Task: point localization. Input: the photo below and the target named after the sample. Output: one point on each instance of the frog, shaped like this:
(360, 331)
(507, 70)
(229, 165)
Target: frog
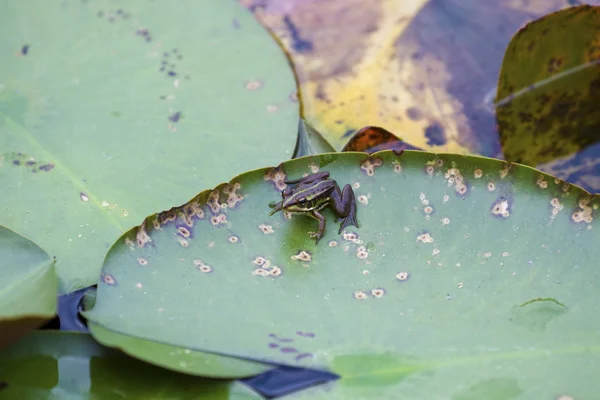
(312, 193)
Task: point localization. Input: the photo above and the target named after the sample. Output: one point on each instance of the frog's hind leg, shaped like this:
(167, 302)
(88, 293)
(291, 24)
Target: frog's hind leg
(343, 205)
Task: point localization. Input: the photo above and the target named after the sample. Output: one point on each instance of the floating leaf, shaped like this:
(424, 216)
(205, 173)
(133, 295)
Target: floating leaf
(111, 110)
(421, 68)
(549, 87)
(427, 288)
(63, 365)
(27, 286)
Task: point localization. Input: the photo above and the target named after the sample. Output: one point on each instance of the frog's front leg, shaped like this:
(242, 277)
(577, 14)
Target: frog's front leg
(343, 205)
(322, 222)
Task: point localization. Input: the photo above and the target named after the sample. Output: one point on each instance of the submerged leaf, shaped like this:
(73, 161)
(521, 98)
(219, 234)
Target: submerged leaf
(421, 299)
(424, 68)
(67, 365)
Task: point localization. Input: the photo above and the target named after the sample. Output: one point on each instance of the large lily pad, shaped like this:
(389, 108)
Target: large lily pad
(60, 365)
(27, 286)
(464, 270)
(549, 87)
(111, 110)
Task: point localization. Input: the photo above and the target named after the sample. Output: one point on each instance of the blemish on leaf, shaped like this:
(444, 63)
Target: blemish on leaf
(278, 177)
(266, 229)
(142, 236)
(108, 279)
(254, 84)
(213, 201)
(46, 167)
(183, 231)
(491, 186)
(425, 238)
(314, 168)
(360, 295)
(205, 269)
(478, 173)
(288, 350)
(445, 221)
(142, 261)
(402, 276)
(446, 198)
(429, 170)
(487, 254)
(271, 108)
(302, 256)
(397, 166)
(218, 219)
(460, 285)
(275, 271)
(303, 355)
(83, 197)
(370, 164)
(233, 239)
(543, 184)
(305, 334)
(504, 171)
(356, 185)
(428, 210)
(201, 266)
(259, 260)
(129, 243)
(167, 216)
(350, 236)
(378, 293)
(362, 252)
(435, 252)
(260, 272)
(501, 208)
(364, 200)
(333, 243)
(183, 242)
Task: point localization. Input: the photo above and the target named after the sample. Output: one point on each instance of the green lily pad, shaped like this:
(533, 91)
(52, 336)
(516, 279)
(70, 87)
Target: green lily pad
(69, 365)
(549, 87)
(27, 286)
(171, 357)
(111, 110)
(441, 289)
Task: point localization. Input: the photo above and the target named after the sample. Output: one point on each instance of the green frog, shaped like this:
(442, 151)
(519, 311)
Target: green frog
(311, 194)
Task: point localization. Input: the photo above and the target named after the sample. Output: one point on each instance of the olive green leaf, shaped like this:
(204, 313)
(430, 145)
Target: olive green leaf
(110, 110)
(27, 286)
(69, 365)
(438, 291)
(549, 87)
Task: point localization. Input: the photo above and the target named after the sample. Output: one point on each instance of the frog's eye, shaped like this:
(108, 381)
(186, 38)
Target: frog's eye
(302, 200)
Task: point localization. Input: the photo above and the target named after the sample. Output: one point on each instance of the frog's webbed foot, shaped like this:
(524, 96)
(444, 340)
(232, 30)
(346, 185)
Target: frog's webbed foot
(344, 207)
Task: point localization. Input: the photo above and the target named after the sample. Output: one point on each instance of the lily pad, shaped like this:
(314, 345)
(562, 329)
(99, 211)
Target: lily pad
(549, 88)
(171, 357)
(27, 286)
(62, 365)
(111, 110)
(432, 295)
